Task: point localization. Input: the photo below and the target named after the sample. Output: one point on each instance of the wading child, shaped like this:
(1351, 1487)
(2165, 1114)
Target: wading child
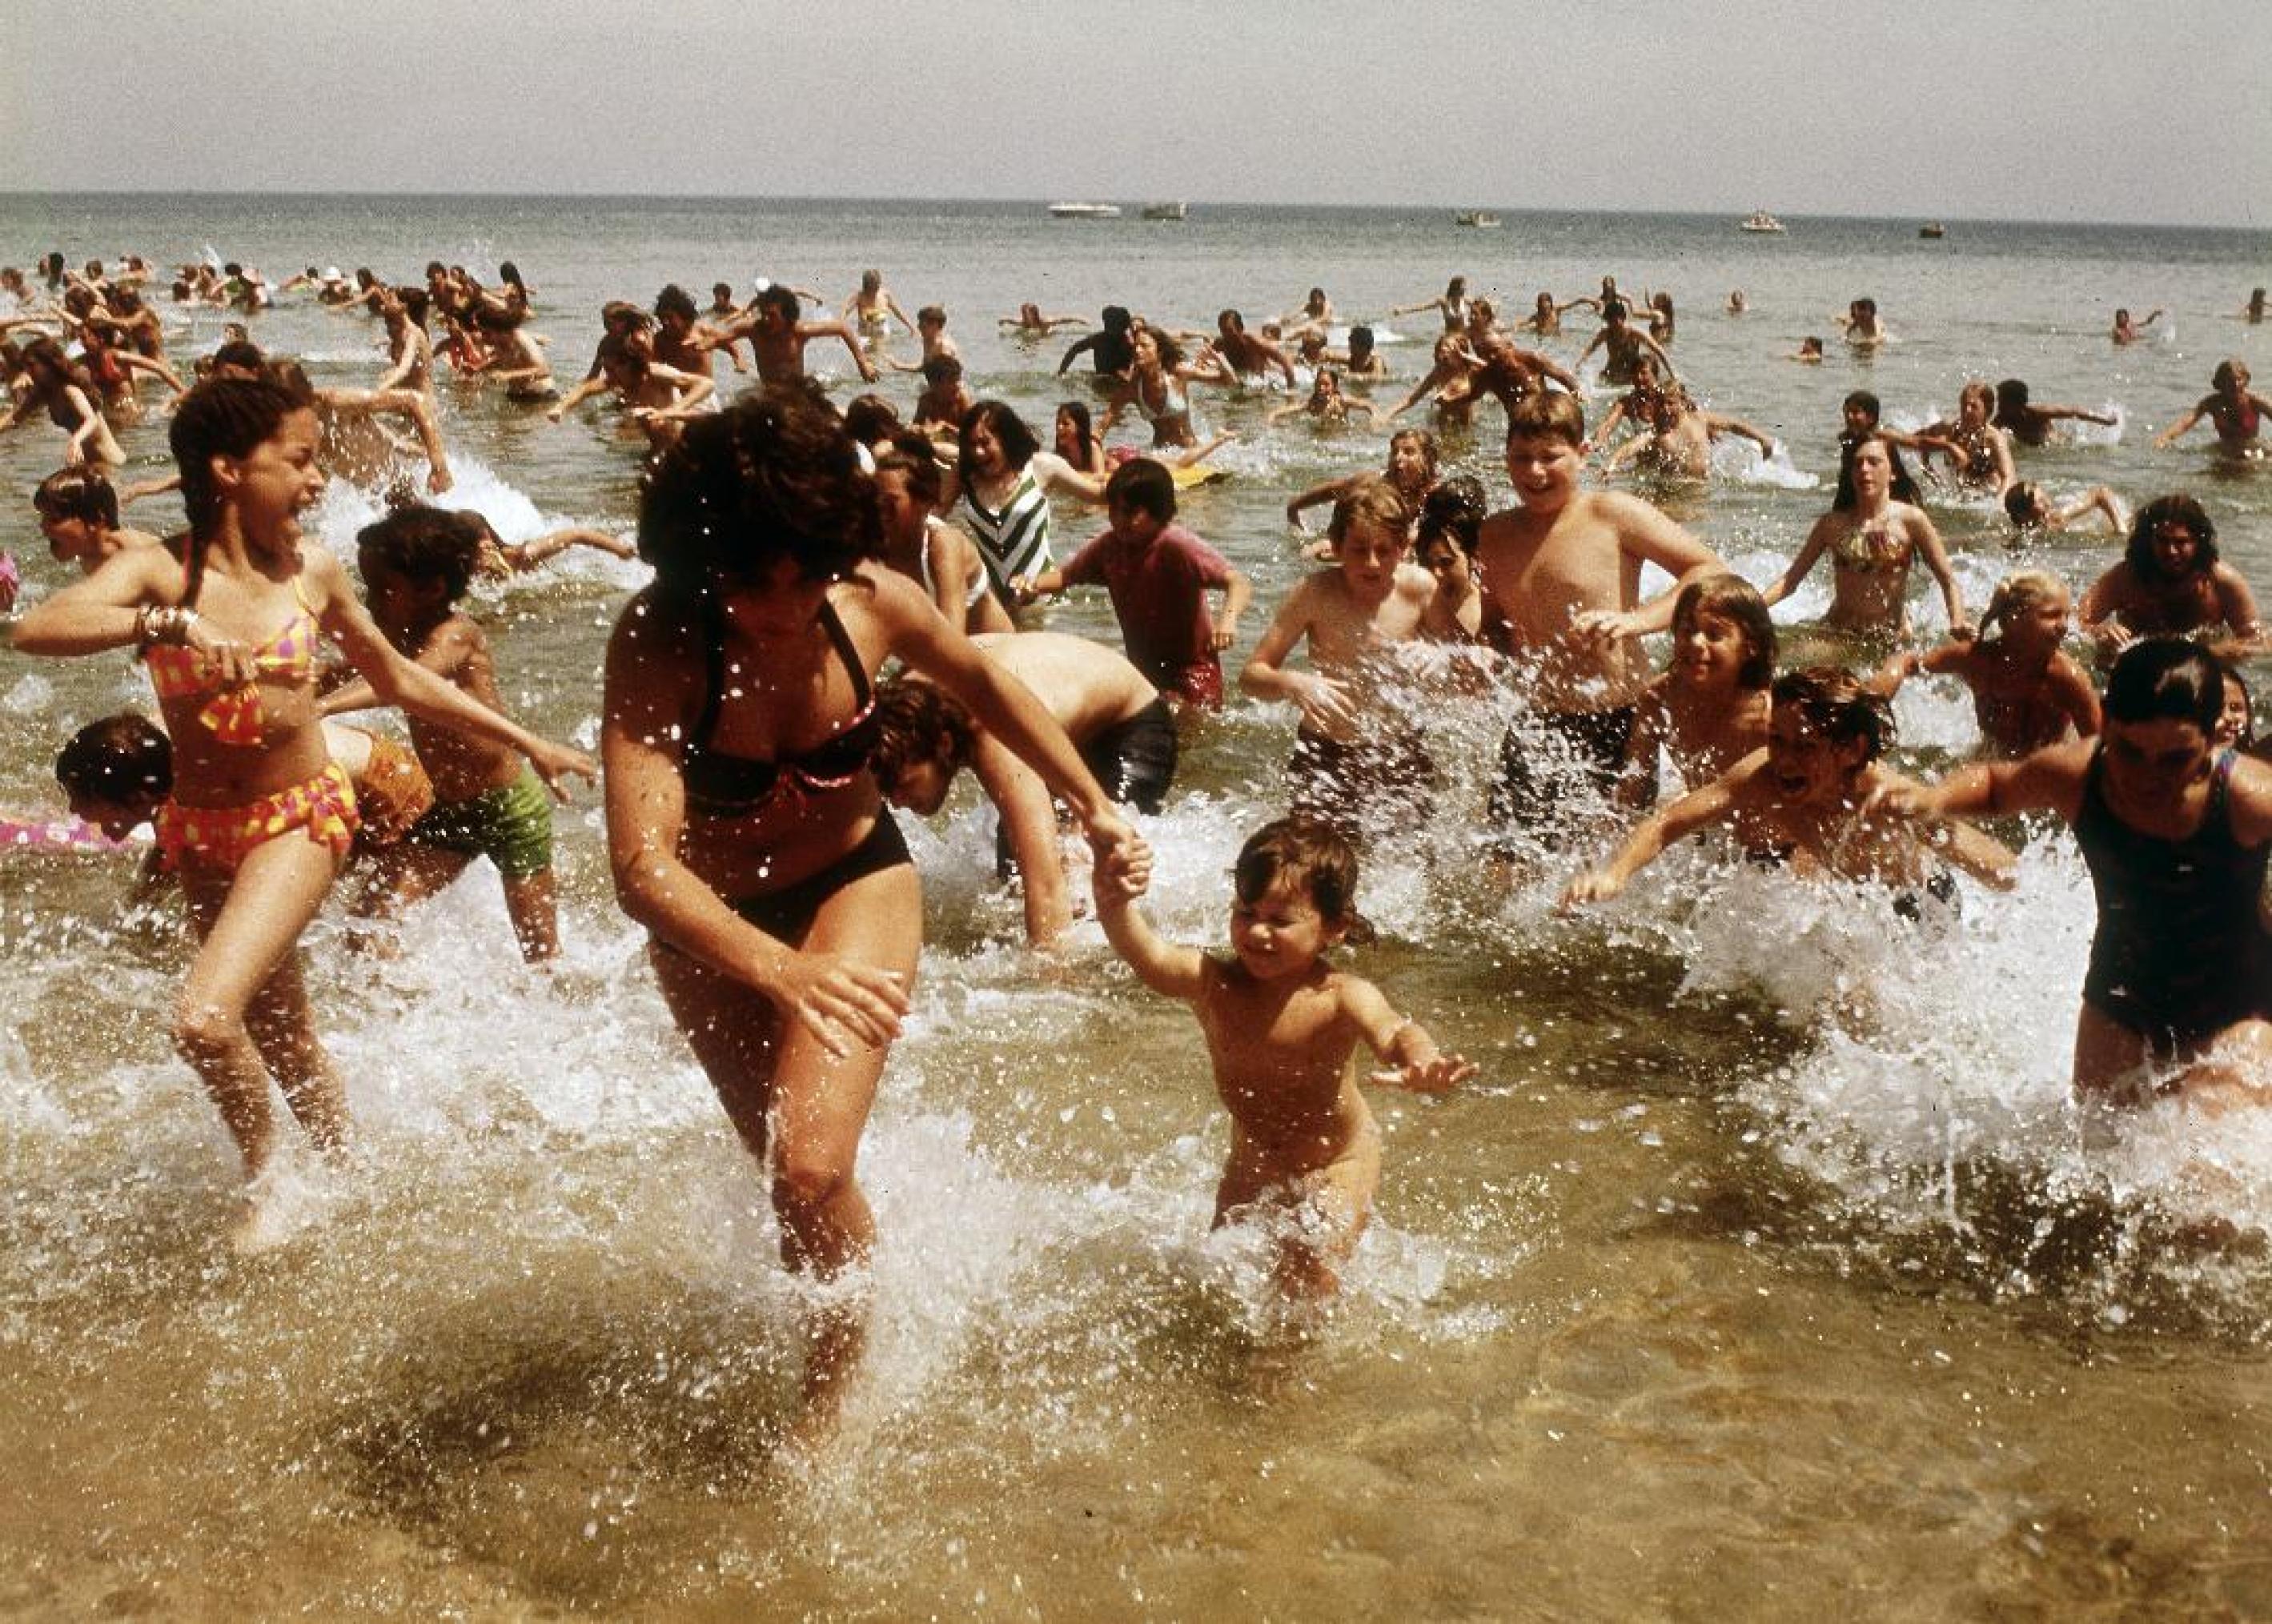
(1158, 573)
(417, 564)
(261, 817)
(1444, 542)
(1359, 749)
(2025, 692)
(2172, 583)
(118, 771)
(1709, 709)
(1281, 1026)
(1561, 577)
(1807, 802)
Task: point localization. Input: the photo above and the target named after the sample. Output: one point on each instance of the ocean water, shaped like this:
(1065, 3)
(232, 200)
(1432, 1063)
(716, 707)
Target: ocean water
(1763, 1270)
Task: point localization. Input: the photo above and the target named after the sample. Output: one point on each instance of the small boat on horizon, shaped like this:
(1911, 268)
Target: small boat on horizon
(1084, 211)
(1165, 210)
(1480, 220)
(1932, 228)
(1760, 220)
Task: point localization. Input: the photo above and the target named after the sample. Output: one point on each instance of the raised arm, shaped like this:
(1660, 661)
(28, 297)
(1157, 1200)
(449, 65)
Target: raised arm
(850, 340)
(1055, 476)
(2184, 424)
(1238, 592)
(1325, 702)
(525, 555)
(2051, 777)
(1818, 539)
(594, 385)
(1318, 495)
(1647, 536)
(1715, 423)
(2239, 604)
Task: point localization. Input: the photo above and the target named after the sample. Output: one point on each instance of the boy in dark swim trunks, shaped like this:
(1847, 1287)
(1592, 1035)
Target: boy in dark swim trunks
(1115, 719)
(417, 564)
(1561, 577)
(1360, 756)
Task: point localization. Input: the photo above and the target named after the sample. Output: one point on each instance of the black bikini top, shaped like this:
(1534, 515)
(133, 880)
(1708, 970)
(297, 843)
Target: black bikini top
(738, 787)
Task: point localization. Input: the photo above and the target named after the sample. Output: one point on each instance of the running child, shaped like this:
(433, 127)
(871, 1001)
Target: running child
(2236, 412)
(1359, 748)
(1282, 1026)
(1561, 578)
(2025, 692)
(1809, 802)
(1709, 709)
(2172, 583)
(261, 817)
(417, 564)
(2030, 508)
(118, 771)
(1158, 573)
(1444, 544)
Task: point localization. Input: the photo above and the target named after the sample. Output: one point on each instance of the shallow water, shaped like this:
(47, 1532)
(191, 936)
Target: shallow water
(1762, 1271)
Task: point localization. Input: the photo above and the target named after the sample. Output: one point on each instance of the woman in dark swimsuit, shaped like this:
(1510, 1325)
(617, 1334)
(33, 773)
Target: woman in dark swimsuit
(746, 829)
(2176, 833)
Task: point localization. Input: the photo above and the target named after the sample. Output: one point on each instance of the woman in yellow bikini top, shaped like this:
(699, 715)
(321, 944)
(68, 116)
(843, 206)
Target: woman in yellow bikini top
(234, 714)
(252, 766)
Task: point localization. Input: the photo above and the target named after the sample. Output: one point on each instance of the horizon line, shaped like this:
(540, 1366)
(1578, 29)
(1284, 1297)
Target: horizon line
(17, 194)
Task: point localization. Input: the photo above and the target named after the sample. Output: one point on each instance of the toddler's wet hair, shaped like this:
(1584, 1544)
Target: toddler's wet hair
(1309, 854)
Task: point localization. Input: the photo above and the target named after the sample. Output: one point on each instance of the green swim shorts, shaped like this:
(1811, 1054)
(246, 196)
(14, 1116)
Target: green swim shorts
(511, 827)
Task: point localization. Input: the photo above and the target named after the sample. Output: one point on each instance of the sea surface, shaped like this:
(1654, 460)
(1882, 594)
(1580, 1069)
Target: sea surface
(1763, 1272)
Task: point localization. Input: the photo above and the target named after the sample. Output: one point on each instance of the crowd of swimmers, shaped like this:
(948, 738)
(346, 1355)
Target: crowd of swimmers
(819, 644)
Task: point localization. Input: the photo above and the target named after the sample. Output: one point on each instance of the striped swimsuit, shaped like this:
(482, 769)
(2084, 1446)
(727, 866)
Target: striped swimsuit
(1014, 539)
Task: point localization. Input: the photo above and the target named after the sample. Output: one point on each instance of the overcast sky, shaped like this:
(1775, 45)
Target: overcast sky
(2097, 109)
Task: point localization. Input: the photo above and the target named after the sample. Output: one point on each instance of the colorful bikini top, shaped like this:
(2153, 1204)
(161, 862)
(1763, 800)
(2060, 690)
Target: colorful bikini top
(738, 787)
(235, 715)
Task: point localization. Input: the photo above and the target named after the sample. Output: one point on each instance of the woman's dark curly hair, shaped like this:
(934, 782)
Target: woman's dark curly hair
(772, 477)
(2177, 509)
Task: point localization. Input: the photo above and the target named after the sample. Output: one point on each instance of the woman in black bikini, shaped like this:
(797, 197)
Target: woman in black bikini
(746, 829)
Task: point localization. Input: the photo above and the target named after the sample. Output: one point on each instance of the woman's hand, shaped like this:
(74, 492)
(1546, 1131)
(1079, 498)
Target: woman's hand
(1122, 854)
(231, 662)
(847, 1006)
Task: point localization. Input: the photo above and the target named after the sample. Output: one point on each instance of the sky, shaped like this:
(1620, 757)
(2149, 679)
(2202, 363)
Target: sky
(2111, 110)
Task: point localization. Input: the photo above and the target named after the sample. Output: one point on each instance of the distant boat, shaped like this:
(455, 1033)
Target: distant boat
(1165, 210)
(1086, 211)
(1482, 219)
(1760, 220)
(1932, 228)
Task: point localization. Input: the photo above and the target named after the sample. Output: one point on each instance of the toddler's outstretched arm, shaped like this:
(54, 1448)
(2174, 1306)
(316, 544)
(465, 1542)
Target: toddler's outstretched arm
(1413, 1060)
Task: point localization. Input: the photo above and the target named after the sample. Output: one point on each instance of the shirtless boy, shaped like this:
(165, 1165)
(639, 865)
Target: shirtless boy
(1561, 578)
